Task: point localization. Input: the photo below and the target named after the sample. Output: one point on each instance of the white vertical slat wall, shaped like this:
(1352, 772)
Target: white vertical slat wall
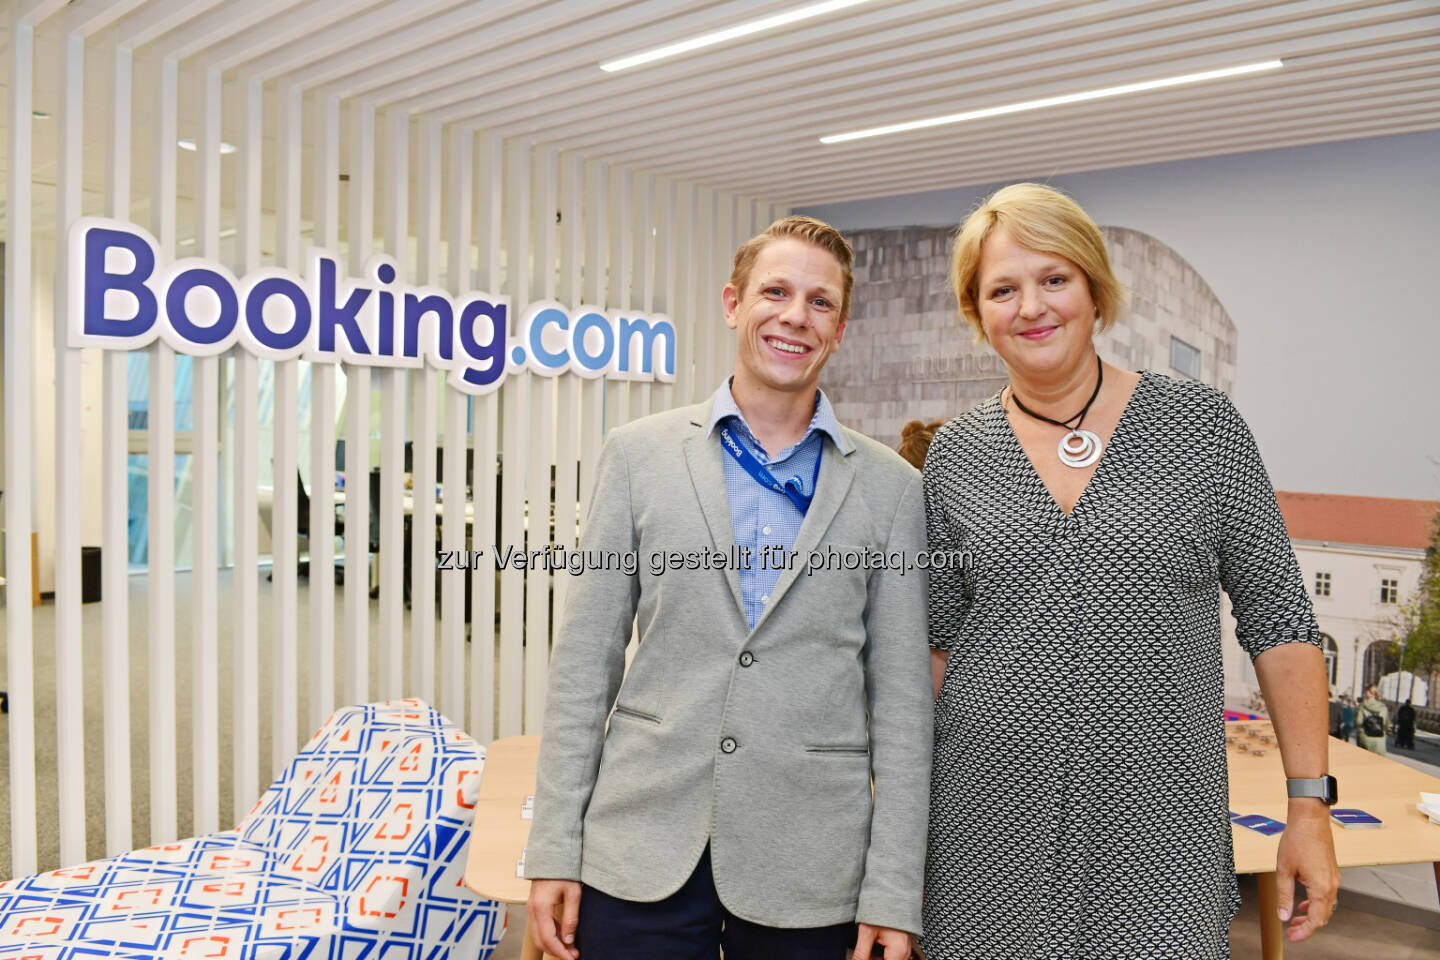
(245, 658)
(285, 502)
(359, 234)
(160, 492)
(425, 385)
(19, 383)
(453, 204)
(69, 693)
(452, 632)
(514, 450)
(205, 491)
(485, 438)
(115, 547)
(393, 388)
(325, 233)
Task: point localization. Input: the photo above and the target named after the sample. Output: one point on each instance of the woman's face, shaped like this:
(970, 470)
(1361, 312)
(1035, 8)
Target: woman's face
(1035, 307)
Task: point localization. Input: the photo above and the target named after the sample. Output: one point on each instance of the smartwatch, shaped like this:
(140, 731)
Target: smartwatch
(1321, 788)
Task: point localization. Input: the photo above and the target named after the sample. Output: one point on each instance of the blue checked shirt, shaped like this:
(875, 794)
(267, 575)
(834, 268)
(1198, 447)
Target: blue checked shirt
(761, 517)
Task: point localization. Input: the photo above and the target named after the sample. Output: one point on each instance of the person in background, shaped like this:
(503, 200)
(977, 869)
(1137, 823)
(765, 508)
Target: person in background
(1347, 718)
(1099, 511)
(1336, 709)
(1373, 722)
(1405, 726)
(915, 439)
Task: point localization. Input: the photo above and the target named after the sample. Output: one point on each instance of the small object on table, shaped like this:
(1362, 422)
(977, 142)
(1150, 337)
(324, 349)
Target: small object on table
(1258, 823)
(1352, 819)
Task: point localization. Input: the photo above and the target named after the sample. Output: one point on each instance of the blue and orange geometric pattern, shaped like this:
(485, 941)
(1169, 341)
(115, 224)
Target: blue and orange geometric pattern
(356, 852)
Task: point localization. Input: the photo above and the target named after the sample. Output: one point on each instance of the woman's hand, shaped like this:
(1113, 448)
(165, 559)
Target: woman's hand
(1307, 854)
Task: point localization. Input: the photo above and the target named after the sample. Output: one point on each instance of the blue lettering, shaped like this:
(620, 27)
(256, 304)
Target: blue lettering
(648, 333)
(415, 310)
(124, 293)
(593, 362)
(175, 310)
(99, 281)
(544, 318)
(333, 315)
(255, 313)
(490, 356)
(387, 323)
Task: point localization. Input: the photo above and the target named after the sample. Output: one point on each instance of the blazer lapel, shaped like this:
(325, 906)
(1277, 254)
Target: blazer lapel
(707, 474)
(836, 472)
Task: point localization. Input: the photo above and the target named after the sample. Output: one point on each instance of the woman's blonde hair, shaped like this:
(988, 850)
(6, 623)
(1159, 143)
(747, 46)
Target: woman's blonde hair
(1041, 218)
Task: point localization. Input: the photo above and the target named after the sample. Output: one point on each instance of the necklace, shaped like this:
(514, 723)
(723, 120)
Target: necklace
(1078, 448)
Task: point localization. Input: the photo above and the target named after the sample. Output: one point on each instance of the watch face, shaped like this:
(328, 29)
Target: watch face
(1332, 791)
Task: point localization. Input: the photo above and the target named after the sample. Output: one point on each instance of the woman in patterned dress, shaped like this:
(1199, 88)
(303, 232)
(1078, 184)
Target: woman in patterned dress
(1079, 795)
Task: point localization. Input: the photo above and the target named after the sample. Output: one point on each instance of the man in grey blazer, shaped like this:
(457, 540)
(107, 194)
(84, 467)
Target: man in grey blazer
(781, 668)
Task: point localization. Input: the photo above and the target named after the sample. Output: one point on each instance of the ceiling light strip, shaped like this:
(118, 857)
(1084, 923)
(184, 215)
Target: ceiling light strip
(1053, 101)
(730, 33)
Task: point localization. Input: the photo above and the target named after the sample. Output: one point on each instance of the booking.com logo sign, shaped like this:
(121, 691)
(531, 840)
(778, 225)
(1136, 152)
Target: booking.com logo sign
(125, 296)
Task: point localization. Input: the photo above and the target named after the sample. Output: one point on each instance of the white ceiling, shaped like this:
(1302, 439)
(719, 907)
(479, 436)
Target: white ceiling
(747, 115)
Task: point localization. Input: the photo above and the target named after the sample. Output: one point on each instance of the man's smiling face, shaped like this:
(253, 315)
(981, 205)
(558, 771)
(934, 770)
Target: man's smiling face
(788, 321)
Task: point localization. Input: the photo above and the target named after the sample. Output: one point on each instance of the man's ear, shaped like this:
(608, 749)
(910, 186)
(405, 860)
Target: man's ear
(840, 332)
(730, 299)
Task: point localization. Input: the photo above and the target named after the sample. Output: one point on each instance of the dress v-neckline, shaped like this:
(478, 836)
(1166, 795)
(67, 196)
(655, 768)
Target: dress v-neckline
(1106, 455)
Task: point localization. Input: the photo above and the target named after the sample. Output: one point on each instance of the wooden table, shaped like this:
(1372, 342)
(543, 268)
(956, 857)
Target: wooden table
(497, 841)
(1377, 785)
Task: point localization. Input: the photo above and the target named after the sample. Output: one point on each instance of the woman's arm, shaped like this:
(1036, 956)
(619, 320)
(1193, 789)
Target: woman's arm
(938, 659)
(1292, 678)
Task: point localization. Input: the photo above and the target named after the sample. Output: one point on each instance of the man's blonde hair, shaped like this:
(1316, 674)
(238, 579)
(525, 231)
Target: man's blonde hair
(1041, 218)
(815, 232)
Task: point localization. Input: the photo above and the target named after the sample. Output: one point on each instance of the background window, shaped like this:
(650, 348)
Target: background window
(1184, 358)
(1389, 590)
(1332, 656)
(1322, 584)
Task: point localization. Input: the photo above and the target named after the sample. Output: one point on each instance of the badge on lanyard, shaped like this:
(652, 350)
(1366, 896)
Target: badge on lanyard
(761, 474)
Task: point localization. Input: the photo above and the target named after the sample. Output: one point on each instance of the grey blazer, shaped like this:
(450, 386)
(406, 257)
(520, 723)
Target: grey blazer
(761, 743)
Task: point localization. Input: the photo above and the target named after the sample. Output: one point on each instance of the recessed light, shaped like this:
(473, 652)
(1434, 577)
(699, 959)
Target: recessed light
(1053, 101)
(730, 33)
(188, 143)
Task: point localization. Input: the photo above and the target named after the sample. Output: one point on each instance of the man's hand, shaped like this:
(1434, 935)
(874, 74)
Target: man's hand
(895, 942)
(1307, 854)
(547, 897)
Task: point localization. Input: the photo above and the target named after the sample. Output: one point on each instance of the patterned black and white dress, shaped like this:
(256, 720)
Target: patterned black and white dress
(1078, 796)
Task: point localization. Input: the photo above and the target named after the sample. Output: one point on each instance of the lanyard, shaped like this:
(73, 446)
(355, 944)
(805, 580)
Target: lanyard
(764, 477)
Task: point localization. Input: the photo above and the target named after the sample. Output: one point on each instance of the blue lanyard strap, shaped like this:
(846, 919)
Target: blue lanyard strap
(762, 475)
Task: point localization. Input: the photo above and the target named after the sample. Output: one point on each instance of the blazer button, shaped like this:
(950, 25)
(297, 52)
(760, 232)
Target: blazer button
(728, 745)
(747, 658)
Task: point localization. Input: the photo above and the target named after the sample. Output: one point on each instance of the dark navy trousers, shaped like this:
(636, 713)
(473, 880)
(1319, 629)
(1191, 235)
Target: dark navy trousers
(692, 924)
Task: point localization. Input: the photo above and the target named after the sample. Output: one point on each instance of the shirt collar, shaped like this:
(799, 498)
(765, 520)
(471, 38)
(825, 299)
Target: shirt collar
(723, 406)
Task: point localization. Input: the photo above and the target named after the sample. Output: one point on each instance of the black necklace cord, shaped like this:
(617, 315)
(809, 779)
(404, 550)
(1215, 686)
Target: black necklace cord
(1079, 417)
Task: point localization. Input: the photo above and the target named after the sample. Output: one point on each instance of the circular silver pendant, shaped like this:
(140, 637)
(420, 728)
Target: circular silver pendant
(1080, 448)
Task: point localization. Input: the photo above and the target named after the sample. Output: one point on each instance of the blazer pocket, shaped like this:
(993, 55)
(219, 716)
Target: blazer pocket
(839, 749)
(631, 712)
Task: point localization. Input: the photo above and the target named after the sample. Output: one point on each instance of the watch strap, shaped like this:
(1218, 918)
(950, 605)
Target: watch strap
(1320, 788)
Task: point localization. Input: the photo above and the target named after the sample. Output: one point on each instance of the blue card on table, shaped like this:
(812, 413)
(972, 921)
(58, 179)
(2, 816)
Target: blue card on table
(1356, 819)
(1254, 821)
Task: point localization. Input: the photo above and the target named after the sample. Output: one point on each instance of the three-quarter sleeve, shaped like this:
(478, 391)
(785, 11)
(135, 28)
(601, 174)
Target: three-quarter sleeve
(949, 593)
(1258, 568)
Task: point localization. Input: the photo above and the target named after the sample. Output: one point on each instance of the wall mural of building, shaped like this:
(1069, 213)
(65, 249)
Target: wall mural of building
(905, 355)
